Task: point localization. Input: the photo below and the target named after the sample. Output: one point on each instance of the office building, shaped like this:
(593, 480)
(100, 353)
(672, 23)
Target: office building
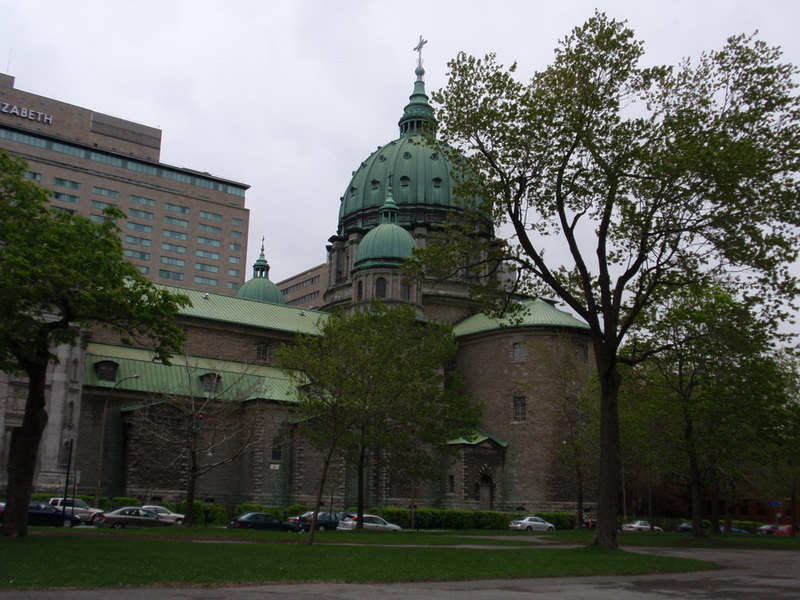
(183, 227)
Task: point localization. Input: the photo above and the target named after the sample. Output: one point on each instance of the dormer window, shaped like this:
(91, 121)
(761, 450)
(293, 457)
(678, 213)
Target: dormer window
(375, 183)
(106, 370)
(404, 181)
(437, 182)
(264, 352)
(210, 382)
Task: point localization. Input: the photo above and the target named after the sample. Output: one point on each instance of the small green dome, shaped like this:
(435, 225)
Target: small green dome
(388, 244)
(260, 288)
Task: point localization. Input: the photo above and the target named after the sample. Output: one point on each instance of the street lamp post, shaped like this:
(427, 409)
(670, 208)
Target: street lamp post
(103, 436)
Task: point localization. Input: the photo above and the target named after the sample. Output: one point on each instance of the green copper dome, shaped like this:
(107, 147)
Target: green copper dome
(418, 173)
(260, 288)
(388, 244)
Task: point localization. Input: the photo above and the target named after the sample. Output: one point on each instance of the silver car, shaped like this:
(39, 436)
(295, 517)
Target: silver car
(371, 522)
(531, 524)
(131, 516)
(165, 513)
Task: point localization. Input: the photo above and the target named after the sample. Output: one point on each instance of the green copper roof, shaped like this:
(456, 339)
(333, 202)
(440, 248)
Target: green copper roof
(388, 244)
(478, 437)
(535, 313)
(260, 288)
(238, 382)
(230, 309)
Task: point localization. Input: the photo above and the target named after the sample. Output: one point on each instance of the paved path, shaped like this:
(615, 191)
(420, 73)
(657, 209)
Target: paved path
(744, 575)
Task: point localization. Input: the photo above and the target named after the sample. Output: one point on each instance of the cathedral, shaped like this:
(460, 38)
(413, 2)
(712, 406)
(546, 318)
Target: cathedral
(117, 418)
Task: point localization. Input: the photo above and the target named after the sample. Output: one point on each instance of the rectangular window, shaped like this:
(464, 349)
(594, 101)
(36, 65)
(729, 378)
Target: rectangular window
(101, 205)
(209, 241)
(99, 218)
(143, 201)
(105, 158)
(67, 183)
(205, 280)
(236, 235)
(173, 248)
(138, 241)
(233, 272)
(178, 235)
(209, 228)
(236, 247)
(141, 214)
(234, 260)
(237, 221)
(519, 352)
(170, 260)
(177, 208)
(137, 254)
(211, 216)
(176, 221)
(66, 197)
(170, 275)
(520, 408)
(140, 227)
(101, 191)
(206, 268)
(207, 254)
(33, 176)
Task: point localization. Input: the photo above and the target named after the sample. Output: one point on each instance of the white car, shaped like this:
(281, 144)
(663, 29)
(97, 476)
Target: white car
(165, 513)
(639, 526)
(371, 522)
(531, 524)
(76, 507)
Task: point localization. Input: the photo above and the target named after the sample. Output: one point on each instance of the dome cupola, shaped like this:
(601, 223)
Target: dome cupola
(420, 173)
(388, 244)
(260, 288)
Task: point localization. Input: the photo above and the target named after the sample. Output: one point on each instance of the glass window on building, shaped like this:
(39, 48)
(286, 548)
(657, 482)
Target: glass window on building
(520, 409)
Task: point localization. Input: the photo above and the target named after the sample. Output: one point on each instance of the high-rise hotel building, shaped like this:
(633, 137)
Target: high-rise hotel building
(184, 227)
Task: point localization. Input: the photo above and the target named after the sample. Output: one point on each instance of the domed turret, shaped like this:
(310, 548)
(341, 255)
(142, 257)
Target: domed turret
(260, 288)
(419, 174)
(388, 244)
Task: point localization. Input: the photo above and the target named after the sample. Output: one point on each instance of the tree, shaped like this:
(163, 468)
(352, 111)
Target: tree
(615, 184)
(214, 421)
(62, 274)
(715, 389)
(372, 382)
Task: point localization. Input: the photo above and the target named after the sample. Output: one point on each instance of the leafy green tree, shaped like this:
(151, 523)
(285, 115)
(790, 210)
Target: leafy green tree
(62, 274)
(374, 382)
(714, 387)
(612, 184)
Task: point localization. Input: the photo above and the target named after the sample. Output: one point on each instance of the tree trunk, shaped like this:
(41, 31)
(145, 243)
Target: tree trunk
(23, 454)
(608, 480)
(362, 453)
(320, 490)
(191, 481)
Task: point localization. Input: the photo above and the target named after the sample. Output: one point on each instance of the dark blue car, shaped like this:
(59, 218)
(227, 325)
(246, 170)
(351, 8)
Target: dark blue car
(41, 513)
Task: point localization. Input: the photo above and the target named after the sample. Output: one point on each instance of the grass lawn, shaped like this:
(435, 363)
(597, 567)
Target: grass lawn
(89, 558)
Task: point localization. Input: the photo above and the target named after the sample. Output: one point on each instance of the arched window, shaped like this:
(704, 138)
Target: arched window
(380, 287)
(360, 291)
(405, 292)
(210, 382)
(106, 370)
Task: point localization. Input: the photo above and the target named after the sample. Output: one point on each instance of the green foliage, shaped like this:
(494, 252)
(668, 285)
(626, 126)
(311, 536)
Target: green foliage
(374, 381)
(561, 520)
(618, 184)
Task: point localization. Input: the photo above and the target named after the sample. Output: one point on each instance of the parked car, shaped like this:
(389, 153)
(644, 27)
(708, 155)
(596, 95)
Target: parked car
(766, 529)
(77, 507)
(260, 520)
(371, 522)
(531, 524)
(639, 526)
(325, 520)
(41, 513)
(165, 513)
(783, 530)
(685, 527)
(131, 516)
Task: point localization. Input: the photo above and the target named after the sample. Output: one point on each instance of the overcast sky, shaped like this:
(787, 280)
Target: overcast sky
(290, 96)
